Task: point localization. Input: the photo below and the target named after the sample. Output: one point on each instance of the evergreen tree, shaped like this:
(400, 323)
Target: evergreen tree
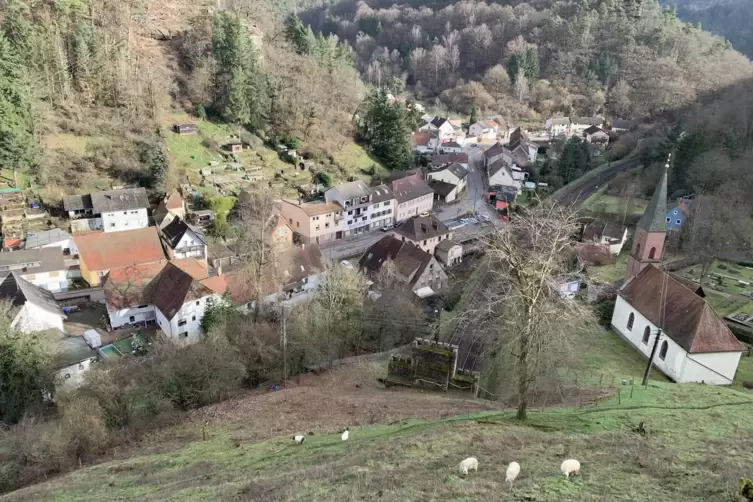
(474, 115)
(386, 129)
(300, 36)
(18, 149)
(575, 159)
(155, 157)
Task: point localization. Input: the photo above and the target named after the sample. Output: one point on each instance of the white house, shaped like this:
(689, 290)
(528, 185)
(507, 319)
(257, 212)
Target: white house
(359, 203)
(161, 293)
(579, 124)
(383, 206)
(38, 309)
(443, 127)
(449, 252)
(43, 267)
(182, 241)
(596, 135)
(452, 174)
(486, 129)
(604, 233)
(695, 345)
(73, 357)
(451, 147)
(425, 232)
(556, 126)
(111, 211)
(54, 238)
(501, 174)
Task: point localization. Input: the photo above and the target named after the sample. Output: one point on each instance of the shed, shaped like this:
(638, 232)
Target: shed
(93, 339)
(185, 128)
(233, 147)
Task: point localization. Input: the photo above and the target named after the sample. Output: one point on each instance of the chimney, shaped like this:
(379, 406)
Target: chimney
(423, 227)
(435, 225)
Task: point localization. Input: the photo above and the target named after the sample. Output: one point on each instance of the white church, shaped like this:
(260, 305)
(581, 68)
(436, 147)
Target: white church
(694, 344)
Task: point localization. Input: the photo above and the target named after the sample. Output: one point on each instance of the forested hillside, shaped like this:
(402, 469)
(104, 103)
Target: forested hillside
(728, 18)
(90, 86)
(596, 56)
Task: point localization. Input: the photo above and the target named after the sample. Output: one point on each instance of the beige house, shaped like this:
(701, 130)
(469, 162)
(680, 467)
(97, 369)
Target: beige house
(423, 231)
(314, 222)
(414, 196)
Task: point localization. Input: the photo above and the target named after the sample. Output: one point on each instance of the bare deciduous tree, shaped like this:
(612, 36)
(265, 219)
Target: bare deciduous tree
(531, 323)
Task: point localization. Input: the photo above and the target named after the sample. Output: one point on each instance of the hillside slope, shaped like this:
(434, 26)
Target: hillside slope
(699, 460)
(730, 19)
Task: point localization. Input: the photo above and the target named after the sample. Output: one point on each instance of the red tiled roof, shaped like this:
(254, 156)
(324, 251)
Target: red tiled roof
(174, 200)
(192, 267)
(687, 318)
(124, 287)
(106, 251)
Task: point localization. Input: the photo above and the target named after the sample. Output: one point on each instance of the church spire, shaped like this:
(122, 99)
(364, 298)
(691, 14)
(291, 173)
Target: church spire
(654, 218)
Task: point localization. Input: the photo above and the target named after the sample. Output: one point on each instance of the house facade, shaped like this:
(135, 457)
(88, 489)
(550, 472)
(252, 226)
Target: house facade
(413, 197)
(181, 241)
(110, 211)
(677, 214)
(356, 200)
(487, 129)
(557, 126)
(315, 223)
(424, 232)
(596, 135)
(449, 253)
(38, 309)
(579, 124)
(452, 147)
(44, 268)
(424, 141)
(455, 174)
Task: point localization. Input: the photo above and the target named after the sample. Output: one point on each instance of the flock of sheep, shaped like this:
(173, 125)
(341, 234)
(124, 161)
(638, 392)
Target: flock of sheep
(568, 467)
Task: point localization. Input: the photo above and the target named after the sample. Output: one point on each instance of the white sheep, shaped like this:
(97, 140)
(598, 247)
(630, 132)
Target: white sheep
(570, 466)
(345, 435)
(299, 439)
(512, 472)
(469, 464)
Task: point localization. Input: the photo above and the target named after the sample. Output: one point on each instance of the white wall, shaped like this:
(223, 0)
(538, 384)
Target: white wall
(383, 219)
(32, 318)
(447, 176)
(86, 225)
(75, 374)
(122, 317)
(63, 244)
(190, 240)
(414, 207)
(190, 312)
(55, 281)
(678, 364)
(125, 220)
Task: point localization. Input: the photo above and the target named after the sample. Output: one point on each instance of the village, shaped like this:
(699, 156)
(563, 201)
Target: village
(123, 268)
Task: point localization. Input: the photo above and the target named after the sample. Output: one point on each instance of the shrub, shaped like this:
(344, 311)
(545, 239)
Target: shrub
(82, 432)
(200, 111)
(452, 301)
(604, 310)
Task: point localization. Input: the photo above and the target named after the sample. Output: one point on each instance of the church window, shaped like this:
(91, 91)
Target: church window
(652, 254)
(646, 334)
(631, 320)
(663, 351)
(638, 249)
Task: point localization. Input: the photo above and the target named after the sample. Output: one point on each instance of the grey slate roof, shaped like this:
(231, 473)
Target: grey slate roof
(419, 228)
(119, 200)
(588, 120)
(438, 122)
(77, 202)
(381, 193)
(442, 187)
(593, 130)
(70, 350)
(654, 218)
(47, 237)
(35, 260)
(353, 189)
(27, 292)
(410, 188)
(458, 170)
(410, 260)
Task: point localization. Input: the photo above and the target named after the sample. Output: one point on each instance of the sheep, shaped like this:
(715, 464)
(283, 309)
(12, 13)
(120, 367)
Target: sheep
(345, 435)
(512, 472)
(299, 439)
(570, 466)
(469, 464)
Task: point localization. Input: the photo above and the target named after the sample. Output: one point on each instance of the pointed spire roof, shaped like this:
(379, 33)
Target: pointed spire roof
(654, 218)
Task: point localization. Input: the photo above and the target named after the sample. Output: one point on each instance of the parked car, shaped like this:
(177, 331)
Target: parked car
(386, 228)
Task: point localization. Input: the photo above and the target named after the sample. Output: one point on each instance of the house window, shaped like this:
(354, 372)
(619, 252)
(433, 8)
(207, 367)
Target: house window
(198, 302)
(677, 221)
(669, 219)
(132, 319)
(424, 242)
(652, 253)
(317, 227)
(350, 212)
(67, 376)
(326, 225)
(193, 318)
(143, 306)
(638, 249)
(125, 212)
(631, 320)
(363, 219)
(297, 224)
(663, 351)
(182, 322)
(316, 218)
(112, 225)
(646, 334)
(183, 335)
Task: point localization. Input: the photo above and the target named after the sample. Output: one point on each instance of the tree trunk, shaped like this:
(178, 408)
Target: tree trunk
(522, 368)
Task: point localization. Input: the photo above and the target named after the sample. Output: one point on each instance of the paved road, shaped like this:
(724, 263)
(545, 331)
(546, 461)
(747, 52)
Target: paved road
(581, 191)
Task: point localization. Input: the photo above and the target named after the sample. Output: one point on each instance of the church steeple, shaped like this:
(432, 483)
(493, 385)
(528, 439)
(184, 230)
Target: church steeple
(648, 242)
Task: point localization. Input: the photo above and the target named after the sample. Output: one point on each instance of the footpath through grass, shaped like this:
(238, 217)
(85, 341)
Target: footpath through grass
(697, 444)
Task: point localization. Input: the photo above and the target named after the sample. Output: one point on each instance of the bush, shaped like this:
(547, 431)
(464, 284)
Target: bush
(200, 111)
(452, 301)
(604, 310)
(82, 433)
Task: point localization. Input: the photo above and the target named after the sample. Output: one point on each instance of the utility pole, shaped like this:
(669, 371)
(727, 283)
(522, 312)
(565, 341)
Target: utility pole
(651, 359)
(283, 339)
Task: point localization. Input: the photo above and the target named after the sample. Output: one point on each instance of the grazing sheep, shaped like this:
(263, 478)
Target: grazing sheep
(345, 435)
(512, 472)
(570, 466)
(469, 464)
(299, 439)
